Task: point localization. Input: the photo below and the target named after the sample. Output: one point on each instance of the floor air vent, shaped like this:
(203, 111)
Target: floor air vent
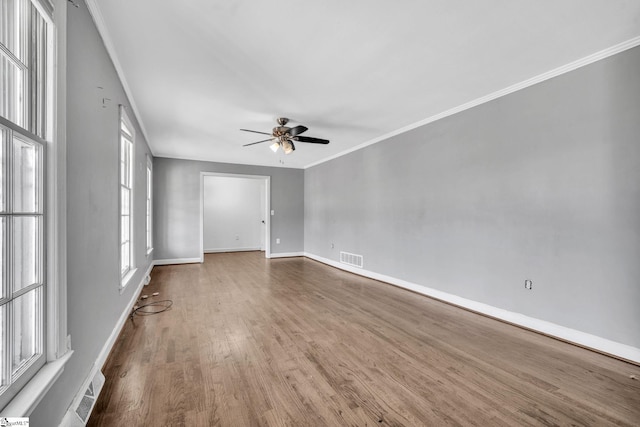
(85, 403)
(351, 259)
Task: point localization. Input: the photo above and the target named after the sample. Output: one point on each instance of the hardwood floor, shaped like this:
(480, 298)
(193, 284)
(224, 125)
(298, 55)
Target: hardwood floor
(292, 342)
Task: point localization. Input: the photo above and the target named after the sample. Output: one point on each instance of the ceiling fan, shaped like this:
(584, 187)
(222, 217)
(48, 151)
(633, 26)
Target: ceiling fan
(283, 136)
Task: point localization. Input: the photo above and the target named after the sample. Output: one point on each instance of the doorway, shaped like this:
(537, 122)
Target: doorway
(234, 213)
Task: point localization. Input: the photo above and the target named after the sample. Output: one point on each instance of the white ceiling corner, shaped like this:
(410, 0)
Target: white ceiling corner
(353, 72)
(98, 20)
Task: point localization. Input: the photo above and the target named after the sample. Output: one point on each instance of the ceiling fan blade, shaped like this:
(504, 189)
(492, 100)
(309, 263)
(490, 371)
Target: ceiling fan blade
(258, 142)
(312, 140)
(255, 131)
(297, 130)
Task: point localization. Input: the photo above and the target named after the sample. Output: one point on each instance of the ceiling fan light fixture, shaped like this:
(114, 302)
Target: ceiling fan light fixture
(288, 147)
(283, 137)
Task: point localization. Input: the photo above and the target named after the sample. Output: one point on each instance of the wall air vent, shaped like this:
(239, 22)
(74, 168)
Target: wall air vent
(351, 259)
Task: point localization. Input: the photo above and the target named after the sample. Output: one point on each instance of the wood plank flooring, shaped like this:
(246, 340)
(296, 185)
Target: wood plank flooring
(292, 342)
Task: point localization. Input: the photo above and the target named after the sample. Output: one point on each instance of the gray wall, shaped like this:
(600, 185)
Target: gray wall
(176, 187)
(94, 301)
(542, 184)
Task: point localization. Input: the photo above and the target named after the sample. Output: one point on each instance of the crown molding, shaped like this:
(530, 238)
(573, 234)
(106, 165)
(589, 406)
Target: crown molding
(590, 59)
(206, 160)
(96, 14)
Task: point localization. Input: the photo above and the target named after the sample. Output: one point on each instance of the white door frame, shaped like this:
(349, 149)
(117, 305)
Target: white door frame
(267, 204)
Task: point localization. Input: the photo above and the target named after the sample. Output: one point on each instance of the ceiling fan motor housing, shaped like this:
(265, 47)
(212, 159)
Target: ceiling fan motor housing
(284, 136)
(280, 131)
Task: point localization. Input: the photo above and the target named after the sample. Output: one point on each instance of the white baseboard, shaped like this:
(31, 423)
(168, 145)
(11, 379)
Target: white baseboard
(584, 339)
(70, 418)
(215, 251)
(147, 275)
(177, 261)
(286, 254)
(106, 349)
(80, 410)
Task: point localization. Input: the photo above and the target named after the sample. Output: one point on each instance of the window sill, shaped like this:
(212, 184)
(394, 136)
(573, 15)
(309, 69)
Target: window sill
(28, 398)
(126, 279)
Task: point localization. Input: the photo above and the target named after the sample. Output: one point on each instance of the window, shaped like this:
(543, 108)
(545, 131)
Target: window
(25, 58)
(126, 197)
(149, 205)
(22, 265)
(24, 51)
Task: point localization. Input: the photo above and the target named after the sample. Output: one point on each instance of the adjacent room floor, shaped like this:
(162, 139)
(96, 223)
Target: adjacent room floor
(250, 341)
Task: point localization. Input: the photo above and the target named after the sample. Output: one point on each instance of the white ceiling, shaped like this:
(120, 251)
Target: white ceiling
(352, 71)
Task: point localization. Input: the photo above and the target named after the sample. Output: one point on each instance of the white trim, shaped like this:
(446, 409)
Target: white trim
(577, 337)
(72, 418)
(106, 349)
(173, 156)
(215, 251)
(148, 216)
(57, 197)
(53, 208)
(108, 346)
(125, 138)
(124, 282)
(267, 213)
(177, 261)
(287, 255)
(147, 275)
(98, 20)
(30, 396)
(45, 7)
(590, 59)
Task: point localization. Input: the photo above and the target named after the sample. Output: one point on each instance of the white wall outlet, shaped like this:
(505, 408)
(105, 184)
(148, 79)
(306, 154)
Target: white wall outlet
(277, 241)
(273, 212)
(528, 284)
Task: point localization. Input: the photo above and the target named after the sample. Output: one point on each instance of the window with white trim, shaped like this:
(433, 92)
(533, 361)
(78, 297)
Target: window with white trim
(25, 86)
(24, 50)
(149, 205)
(127, 137)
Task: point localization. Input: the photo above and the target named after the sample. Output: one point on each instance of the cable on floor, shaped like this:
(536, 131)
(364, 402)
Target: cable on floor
(163, 305)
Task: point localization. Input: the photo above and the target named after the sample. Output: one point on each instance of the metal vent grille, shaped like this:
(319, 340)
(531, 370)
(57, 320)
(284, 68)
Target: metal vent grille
(351, 259)
(84, 408)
